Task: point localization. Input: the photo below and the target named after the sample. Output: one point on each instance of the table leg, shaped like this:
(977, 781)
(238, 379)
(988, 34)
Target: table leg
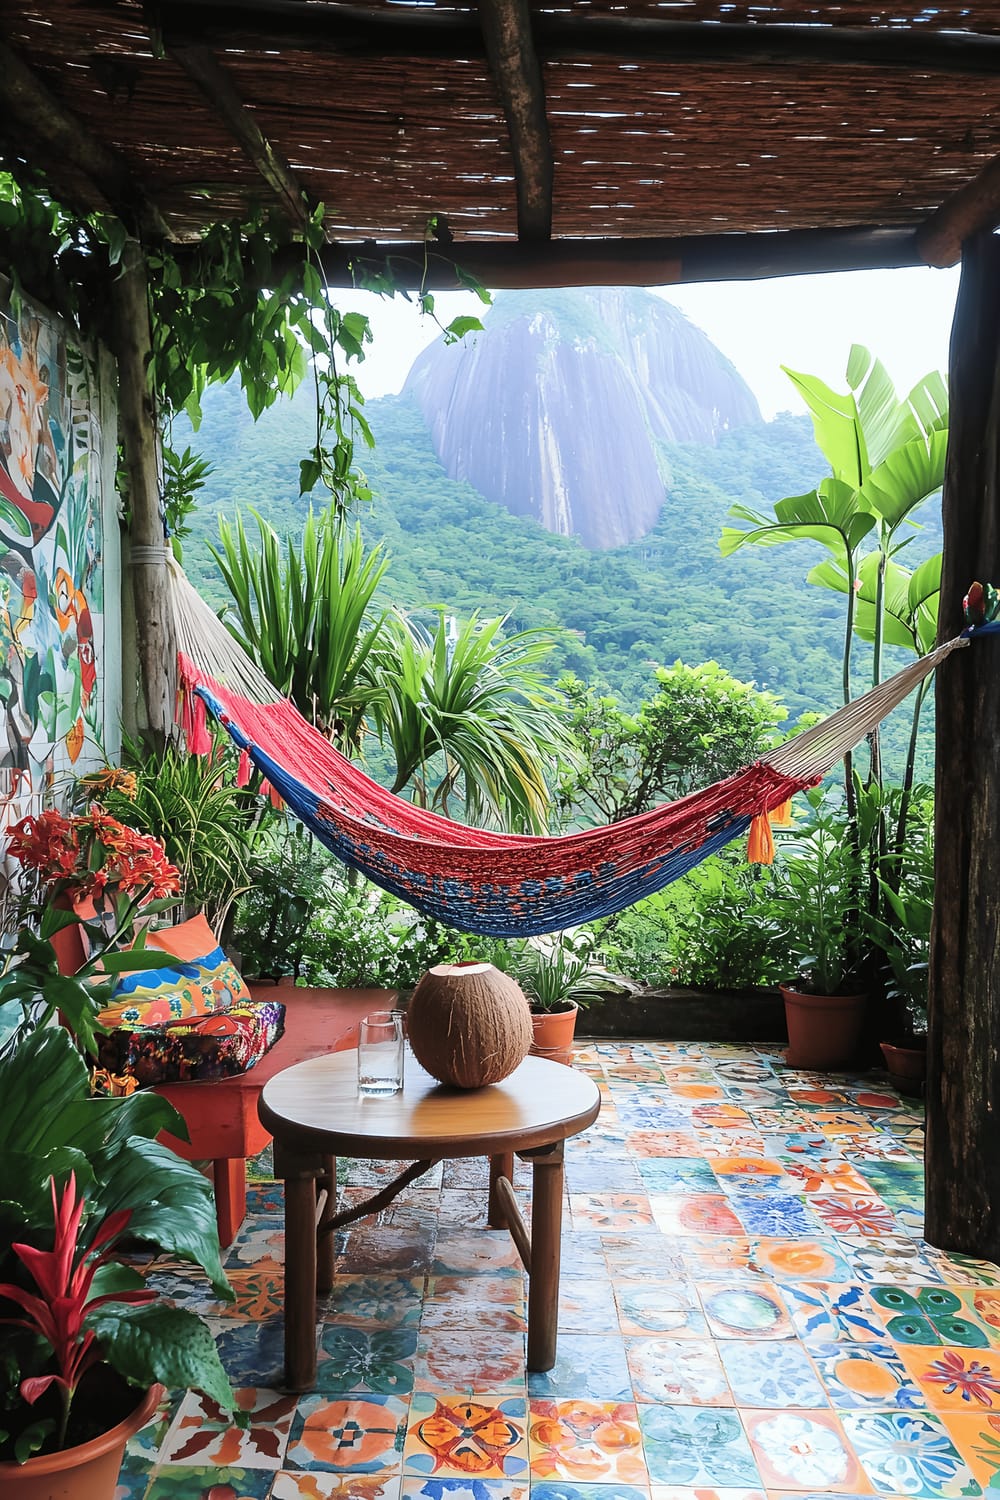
(300, 1282)
(326, 1242)
(546, 1231)
(500, 1166)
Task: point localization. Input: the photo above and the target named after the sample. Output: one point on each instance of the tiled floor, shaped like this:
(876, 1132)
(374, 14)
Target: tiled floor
(748, 1311)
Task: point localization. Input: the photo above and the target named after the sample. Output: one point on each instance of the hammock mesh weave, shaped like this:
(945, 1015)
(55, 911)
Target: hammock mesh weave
(495, 884)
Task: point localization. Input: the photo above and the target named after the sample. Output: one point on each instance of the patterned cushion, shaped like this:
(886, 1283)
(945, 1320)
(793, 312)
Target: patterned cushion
(198, 981)
(205, 1047)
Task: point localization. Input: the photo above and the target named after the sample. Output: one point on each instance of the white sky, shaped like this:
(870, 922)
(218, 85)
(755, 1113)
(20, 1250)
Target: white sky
(806, 322)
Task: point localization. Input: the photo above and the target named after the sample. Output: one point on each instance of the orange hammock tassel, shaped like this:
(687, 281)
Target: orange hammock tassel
(781, 817)
(760, 844)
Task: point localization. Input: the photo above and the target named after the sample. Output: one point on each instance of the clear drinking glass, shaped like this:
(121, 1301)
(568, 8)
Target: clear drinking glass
(380, 1053)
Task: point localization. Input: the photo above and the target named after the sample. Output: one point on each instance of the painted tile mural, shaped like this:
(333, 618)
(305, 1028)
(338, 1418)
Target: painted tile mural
(53, 551)
(818, 1350)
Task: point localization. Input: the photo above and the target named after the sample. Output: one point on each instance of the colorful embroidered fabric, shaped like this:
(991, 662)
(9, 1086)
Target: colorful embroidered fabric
(205, 1047)
(181, 989)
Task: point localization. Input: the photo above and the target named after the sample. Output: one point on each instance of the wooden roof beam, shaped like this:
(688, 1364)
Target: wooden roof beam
(971, 208)
(49, 133)
(215, 84)
(637, 262)
(355, 30)
(517, 72)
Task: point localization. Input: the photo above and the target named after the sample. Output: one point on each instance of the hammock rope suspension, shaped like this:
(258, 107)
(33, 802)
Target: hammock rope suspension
(495, 884)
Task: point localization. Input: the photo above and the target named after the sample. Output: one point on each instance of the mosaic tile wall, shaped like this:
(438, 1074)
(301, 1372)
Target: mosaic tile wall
(748, 1312)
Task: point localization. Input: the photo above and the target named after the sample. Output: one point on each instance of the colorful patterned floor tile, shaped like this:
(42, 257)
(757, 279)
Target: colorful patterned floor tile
(469, 1362)
(774, 1373)
(801, 1260)
(177, 1483)
(670, 1143)
(387, 1301)
(955, 1379)
(803, 1449)
(775, 1214)
(353, 1360)
(895, 1258)
(561, 1489)
(596, 1442)
(484, 1253)
(253, 1354)
(645, 1255)
(201, 1434)
(709, 1257)
(685, 1372)
(844, 1215)
(464, 1489)
(700, 1213)
(303, 1485)
(611, 1211)
(685, 1492)
(976, 1435)
(826, 1175)
(909, 1453)
(686, 1446)
(670, 1307)
(751, 1174)
(682, 1174)
(586, 1305)
(383, 1249)
(927, 1315)
(961, 1270)
(590, 1366)
(349, 1435)
(603, 1175)
(449, 1437)
(860, 1377)
(832, 1314)
(744, 1310)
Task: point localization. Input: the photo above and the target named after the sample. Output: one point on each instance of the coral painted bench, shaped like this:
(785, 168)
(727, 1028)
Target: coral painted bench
(221, 1114)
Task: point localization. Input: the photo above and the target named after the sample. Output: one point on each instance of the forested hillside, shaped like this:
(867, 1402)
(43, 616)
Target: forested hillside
(666, 596)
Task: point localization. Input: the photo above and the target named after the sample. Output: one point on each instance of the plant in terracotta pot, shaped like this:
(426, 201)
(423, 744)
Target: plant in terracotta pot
(556, 974)
(901, 936)
(816, 900)
(86, 1346)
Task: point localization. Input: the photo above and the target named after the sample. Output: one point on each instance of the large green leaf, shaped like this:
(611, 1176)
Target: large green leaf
(909, 475)
(885, 420)
(897, 621)
(836, 425)
(830, 514)
(170, 1202)
(155, 1342)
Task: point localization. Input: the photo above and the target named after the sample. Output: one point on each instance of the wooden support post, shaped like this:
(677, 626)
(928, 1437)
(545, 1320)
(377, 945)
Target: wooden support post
(154, 631)
(963, 1085)
(326, 1246)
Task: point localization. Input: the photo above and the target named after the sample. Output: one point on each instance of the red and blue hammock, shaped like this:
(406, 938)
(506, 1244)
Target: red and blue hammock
(497, 884)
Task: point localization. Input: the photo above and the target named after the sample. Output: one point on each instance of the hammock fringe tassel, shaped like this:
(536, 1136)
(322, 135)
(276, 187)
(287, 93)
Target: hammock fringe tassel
(499, 884)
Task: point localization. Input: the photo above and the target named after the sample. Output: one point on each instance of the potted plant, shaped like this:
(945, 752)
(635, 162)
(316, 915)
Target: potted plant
(556, 975)
(86, 1346)
(816, 894)
(902, 938)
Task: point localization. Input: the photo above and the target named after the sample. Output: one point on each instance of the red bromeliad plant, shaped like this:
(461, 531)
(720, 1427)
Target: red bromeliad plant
(65, 1278)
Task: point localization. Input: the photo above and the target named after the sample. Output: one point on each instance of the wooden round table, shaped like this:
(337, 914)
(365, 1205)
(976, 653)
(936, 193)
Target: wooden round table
(315, 1114)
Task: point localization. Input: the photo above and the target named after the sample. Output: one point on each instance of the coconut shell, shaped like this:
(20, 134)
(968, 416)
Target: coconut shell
(468, 1024)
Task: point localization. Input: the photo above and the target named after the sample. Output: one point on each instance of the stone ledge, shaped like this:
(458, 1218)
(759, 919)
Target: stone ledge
(686, 1015)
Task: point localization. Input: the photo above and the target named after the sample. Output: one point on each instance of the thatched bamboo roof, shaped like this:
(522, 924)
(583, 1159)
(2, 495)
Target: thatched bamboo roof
(654, 129)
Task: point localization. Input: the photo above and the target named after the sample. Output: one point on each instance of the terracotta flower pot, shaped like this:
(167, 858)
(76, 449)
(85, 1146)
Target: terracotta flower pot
(907, 1065)
(554, 1030)
(70, 943)
(87, 1472)
(823, 1030)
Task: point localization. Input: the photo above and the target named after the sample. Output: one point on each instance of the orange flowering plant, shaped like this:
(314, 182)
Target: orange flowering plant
(80, 856)
(88, 854)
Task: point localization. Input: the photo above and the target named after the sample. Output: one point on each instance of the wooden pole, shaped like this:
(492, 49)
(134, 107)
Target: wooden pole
(971, 208)
(963, 1085)
(154, 632)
